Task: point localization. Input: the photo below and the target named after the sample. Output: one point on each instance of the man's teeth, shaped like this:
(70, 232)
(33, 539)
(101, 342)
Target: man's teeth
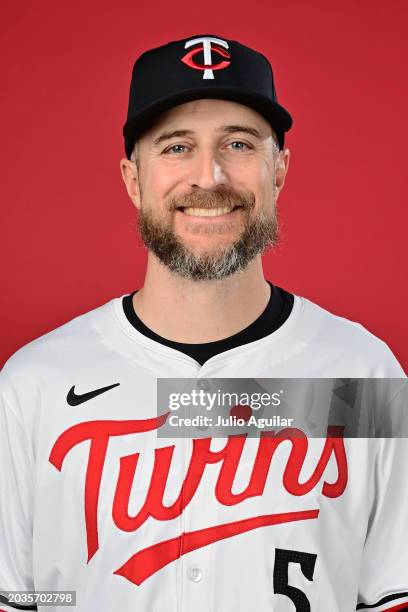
(207, 212)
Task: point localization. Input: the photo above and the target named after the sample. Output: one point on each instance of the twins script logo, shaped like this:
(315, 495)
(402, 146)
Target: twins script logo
(150, 560)
(207, 49)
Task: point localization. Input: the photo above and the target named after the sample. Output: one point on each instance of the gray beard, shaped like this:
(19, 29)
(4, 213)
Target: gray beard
(260, 233)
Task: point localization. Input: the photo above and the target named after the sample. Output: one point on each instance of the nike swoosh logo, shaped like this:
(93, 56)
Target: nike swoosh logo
(74, 399)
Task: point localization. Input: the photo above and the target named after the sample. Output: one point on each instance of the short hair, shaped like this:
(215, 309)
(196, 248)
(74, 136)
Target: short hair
(135, 154)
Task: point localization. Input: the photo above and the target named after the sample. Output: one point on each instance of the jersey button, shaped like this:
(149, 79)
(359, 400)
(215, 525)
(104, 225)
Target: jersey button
(203, 384)
(195, 574)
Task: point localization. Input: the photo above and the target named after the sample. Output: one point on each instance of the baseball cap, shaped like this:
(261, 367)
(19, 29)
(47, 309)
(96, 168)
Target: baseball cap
(202, 66)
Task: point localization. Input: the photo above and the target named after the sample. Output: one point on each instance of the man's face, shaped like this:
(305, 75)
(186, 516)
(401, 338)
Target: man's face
(206, 188)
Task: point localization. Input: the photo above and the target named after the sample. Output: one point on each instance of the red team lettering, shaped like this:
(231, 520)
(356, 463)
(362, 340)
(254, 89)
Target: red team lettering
(148, 561)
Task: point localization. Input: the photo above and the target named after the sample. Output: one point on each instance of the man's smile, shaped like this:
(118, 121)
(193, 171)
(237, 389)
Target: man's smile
(210, 215)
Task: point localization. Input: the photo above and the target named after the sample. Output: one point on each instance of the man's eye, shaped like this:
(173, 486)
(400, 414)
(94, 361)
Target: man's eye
(239, 142)
(173, 147)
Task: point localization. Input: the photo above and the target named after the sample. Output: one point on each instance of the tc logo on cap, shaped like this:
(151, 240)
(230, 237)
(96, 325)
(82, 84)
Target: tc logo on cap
(206, 48)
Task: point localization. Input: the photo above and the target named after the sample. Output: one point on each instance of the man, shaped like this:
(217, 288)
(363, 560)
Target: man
(92, 498)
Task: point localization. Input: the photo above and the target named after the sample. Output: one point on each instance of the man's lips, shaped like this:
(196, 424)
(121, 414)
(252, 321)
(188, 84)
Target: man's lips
(193, 213)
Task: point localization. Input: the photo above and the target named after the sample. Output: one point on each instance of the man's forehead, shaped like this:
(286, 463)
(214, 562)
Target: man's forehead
(213, 112)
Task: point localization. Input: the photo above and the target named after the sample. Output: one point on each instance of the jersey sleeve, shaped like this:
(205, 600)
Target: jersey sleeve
(16, 506)
(383, 583)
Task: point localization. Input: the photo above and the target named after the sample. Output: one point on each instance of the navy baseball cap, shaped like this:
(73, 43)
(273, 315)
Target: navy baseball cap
(202, 66)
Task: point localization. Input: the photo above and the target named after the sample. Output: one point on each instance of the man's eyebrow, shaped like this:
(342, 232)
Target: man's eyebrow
(171, 134)
(247, 129)
(228, 129)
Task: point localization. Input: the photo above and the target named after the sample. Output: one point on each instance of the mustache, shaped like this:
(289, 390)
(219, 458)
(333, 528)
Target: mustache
(212, 199)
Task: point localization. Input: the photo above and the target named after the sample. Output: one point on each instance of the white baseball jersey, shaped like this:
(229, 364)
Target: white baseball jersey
(94, 501)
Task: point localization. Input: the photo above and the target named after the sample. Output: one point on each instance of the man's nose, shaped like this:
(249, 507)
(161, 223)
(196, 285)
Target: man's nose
(206, 170)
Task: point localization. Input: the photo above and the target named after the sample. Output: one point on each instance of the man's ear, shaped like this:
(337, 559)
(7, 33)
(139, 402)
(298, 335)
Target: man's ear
(131, 179)
(281, 169)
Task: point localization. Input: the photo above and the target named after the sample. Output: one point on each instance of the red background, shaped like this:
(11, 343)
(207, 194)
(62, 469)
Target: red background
(69, 241)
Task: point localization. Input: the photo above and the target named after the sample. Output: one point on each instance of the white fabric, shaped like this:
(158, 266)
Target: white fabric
(359, 538)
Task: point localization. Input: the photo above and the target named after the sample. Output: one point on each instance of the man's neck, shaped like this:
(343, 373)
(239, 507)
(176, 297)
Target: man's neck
(200, 311)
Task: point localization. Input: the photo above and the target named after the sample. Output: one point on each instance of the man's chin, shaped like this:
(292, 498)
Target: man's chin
(205, 250)
(207, 257)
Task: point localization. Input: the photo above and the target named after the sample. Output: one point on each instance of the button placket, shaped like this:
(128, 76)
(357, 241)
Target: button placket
(197, 565)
